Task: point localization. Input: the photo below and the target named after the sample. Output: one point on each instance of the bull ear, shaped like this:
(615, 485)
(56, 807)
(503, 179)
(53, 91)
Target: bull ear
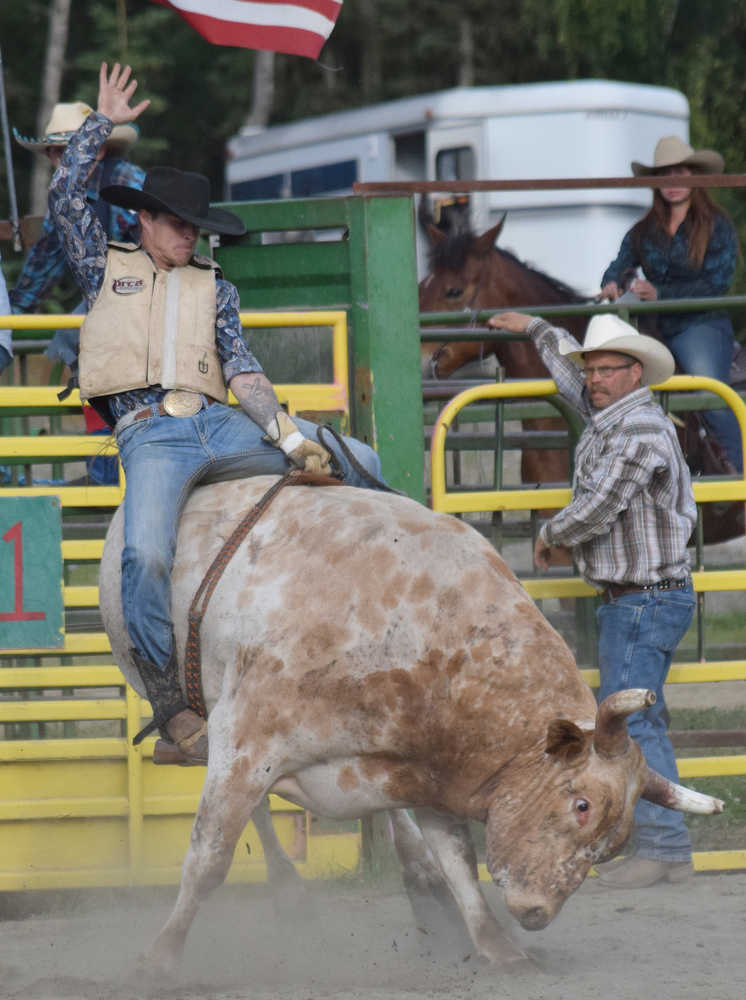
(566, 742)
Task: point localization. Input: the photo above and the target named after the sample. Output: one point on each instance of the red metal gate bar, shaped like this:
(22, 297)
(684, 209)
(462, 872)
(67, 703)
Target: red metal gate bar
(549, 184)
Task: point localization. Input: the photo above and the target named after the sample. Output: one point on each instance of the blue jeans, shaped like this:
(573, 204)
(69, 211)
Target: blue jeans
(706, 348)
(164, 458)
(103, 469)
(638, 634)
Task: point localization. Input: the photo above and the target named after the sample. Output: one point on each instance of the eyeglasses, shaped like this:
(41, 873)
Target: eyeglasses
(606, 371)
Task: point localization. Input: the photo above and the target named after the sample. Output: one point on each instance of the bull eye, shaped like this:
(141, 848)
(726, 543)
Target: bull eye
(582, 808)
(454, 293)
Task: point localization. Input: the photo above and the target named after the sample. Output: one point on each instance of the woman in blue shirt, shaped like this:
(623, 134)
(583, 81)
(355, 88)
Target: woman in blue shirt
(686, 247)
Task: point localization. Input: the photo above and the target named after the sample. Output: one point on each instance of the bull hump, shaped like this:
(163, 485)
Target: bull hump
(361, 535)
(362, 517)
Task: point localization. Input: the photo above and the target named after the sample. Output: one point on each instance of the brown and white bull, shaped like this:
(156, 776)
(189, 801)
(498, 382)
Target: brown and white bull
(363, 653)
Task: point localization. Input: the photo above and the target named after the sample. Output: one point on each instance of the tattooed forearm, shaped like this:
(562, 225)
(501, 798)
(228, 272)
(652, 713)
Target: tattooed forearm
(257, 397)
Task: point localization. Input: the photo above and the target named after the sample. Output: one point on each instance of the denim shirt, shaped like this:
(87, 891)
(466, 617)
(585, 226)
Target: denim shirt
(665, 264)
(84, 242)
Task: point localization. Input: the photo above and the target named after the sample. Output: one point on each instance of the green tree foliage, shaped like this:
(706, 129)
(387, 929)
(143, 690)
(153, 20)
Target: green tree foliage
(382, 49)
(624, 41)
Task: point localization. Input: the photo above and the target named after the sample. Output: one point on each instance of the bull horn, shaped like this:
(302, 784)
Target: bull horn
(611, 738)
(667, 793)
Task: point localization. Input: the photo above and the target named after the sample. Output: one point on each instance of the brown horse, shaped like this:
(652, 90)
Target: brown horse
(469, 273)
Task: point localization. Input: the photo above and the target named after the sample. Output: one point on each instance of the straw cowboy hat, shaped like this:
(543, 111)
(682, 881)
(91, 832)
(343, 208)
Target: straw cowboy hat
(674, 152)
(66, 119)
(609, 333)
(178, 192)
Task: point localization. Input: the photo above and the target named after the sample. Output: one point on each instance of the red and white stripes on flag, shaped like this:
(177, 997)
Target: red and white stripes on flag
(299, 27)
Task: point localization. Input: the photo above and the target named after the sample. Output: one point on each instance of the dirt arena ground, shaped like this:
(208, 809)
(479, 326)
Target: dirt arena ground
(668, 943)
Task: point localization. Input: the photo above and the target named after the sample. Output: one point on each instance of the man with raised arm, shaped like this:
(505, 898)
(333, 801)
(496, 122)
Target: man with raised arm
(628, 523)
(159, 348)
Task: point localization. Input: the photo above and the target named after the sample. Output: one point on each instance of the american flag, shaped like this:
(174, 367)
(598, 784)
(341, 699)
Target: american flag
(299, 27)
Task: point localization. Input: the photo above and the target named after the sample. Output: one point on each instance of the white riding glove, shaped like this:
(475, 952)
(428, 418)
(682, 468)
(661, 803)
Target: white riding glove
(302, 451)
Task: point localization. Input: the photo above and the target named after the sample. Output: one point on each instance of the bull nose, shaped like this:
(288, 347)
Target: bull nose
(535, 918)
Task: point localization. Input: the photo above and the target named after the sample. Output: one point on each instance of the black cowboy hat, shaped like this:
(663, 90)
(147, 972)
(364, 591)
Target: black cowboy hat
(178, 192)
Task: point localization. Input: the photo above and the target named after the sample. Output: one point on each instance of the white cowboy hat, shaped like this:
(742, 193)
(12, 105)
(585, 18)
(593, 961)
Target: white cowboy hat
(66, 119)
(609, 333)
(671, 151)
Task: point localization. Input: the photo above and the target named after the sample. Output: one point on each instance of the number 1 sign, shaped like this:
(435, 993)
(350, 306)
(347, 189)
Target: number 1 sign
(31, 605)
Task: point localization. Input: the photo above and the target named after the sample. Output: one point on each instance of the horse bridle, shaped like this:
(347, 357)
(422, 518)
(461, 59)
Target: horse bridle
(474, 313)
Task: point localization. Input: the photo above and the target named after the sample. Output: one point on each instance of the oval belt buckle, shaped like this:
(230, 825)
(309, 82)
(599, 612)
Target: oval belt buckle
(182, 403)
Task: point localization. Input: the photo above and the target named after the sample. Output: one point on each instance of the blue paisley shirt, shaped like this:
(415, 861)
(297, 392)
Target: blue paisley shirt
(665, 264)
(84, 242)
(45, 264)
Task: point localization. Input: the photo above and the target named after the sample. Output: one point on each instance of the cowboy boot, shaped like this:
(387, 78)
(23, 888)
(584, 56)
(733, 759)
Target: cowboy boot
(184, 732)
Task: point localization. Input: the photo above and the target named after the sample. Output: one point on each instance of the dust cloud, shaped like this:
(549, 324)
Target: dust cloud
(351, 943)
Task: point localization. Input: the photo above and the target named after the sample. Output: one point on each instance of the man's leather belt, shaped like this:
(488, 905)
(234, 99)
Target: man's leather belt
(130, 418)
(148, 412)
(614, 590)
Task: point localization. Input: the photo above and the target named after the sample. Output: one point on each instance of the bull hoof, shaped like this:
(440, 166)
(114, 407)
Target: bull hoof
(156, 968)
(507, 957)
(282, 875)
(514, 965)
(521, 966)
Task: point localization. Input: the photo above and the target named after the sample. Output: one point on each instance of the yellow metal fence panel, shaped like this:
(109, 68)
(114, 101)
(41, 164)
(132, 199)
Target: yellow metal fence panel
(82, 807)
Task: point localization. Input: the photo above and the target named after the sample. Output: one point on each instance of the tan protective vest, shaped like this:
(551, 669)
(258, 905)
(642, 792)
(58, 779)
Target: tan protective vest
(151, 327)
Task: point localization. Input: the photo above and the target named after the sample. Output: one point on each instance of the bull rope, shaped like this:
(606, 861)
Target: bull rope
(193, 655)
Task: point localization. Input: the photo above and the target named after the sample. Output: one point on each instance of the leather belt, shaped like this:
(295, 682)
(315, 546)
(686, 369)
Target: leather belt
(148, 412)
(160, 410)
(614, 590)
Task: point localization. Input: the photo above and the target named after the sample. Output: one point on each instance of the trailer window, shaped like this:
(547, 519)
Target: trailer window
(330, 177)
(409, 156)
(457, 164)
(260, 188)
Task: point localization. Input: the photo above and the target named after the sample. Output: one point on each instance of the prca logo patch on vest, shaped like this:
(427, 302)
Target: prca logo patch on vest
(127, 286)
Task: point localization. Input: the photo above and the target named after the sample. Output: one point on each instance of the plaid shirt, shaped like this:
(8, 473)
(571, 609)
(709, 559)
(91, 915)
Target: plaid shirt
(632, 509)
(84, 241)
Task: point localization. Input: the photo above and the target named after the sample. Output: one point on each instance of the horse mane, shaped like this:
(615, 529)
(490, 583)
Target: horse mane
(452, 253)
(567, 292)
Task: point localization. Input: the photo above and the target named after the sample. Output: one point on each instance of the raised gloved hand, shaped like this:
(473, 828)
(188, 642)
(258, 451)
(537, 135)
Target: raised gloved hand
(302, 451)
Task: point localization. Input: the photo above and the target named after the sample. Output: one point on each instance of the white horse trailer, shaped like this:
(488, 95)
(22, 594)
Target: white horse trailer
(581, 128)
